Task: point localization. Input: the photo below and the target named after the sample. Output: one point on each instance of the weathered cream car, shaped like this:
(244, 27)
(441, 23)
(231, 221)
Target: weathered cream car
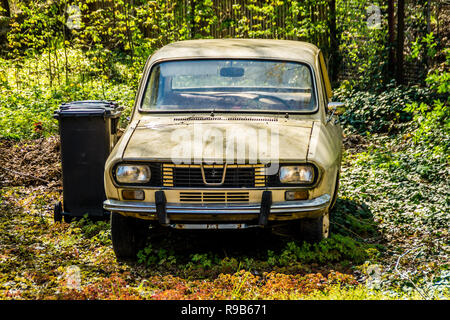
(227, 134)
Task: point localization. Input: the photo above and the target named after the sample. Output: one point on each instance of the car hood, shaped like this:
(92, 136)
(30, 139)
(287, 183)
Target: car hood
(217, 139)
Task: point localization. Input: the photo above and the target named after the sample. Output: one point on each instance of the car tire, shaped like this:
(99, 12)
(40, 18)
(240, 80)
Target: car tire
(128, 236)
(315, 230)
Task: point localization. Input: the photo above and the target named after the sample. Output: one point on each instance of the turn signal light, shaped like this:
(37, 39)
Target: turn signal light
(296, 195)
(133, 194)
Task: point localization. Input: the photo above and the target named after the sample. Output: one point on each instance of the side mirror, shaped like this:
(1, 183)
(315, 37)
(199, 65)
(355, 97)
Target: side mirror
(335, 108)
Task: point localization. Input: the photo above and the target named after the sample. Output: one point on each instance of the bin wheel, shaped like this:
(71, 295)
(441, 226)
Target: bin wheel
(57, 212)
(128, 236)
(67, 219)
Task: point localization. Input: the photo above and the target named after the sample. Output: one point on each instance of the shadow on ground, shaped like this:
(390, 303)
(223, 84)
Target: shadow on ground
(210, 252)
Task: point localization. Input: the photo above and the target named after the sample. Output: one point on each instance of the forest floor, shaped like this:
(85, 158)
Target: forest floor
(380, 248)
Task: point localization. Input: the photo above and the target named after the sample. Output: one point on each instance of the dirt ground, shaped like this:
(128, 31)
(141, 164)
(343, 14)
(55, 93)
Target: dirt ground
(30, 163)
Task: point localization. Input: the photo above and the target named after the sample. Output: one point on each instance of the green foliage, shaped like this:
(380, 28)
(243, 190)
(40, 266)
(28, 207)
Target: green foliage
(430, 122)
(363, 43)
(351, 218)
(439, 78)
(27, 100)
(108, 49)
(398, 180)
(153, 256)
(335, 248)
(428, 42)
(98, 231)
(36, 28)
(375, 112)
(289, 257)
(49, 62)
(137, 28)
(202, 259)
(431, 131)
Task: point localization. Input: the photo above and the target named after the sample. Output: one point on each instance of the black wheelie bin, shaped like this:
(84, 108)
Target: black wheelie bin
(88, 132)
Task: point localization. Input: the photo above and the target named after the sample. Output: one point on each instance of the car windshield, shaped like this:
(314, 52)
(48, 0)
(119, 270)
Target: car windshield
(229, 85)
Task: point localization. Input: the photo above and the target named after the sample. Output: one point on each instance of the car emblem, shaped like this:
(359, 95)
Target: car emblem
(214, 173)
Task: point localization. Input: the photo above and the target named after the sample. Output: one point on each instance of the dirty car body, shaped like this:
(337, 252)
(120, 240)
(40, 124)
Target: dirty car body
(227, 134)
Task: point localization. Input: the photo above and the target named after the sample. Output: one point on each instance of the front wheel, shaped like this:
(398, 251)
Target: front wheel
(315, 230)
(128, 235)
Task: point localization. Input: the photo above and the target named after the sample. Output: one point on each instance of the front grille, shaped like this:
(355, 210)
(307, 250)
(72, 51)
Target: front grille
(222, 197)
(236, 176)
(190, 176)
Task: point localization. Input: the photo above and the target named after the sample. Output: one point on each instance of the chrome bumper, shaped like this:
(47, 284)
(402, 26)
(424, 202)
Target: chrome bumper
(216, 209)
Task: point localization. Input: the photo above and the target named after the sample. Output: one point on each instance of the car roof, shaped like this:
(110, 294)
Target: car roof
(238, 49)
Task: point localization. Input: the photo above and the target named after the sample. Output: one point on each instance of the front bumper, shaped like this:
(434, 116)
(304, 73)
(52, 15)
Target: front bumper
(221, 215)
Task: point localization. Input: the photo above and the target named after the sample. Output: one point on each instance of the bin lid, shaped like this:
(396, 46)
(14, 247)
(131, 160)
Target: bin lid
(89, 108)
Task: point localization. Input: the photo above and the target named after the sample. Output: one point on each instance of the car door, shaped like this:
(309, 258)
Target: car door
(332, 125)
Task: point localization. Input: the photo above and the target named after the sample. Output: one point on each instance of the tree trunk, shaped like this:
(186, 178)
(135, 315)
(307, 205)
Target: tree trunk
(334, 42)
(427, 14)
(391, 40)
(193, 31)
(400, 41)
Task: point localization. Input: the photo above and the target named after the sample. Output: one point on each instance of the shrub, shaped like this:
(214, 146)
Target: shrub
(378, 112)
(333, 249)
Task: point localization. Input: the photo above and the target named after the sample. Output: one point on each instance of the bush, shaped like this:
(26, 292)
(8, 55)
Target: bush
(378, 112)
(27, 101)
(333, 249)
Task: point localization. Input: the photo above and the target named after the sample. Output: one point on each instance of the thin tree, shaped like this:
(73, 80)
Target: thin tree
(5, 11)
(193, 30)
(334, 42)
(66, 63)
(391, 39)
(400, 41)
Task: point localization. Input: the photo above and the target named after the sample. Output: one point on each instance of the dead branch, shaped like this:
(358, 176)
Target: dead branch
(13, 172)
(425, 297)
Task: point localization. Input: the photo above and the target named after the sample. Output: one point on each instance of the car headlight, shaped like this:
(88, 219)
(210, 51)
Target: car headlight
(297, 174)
(128, 173)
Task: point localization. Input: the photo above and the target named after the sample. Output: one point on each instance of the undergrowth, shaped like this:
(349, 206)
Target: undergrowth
(28, 100)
